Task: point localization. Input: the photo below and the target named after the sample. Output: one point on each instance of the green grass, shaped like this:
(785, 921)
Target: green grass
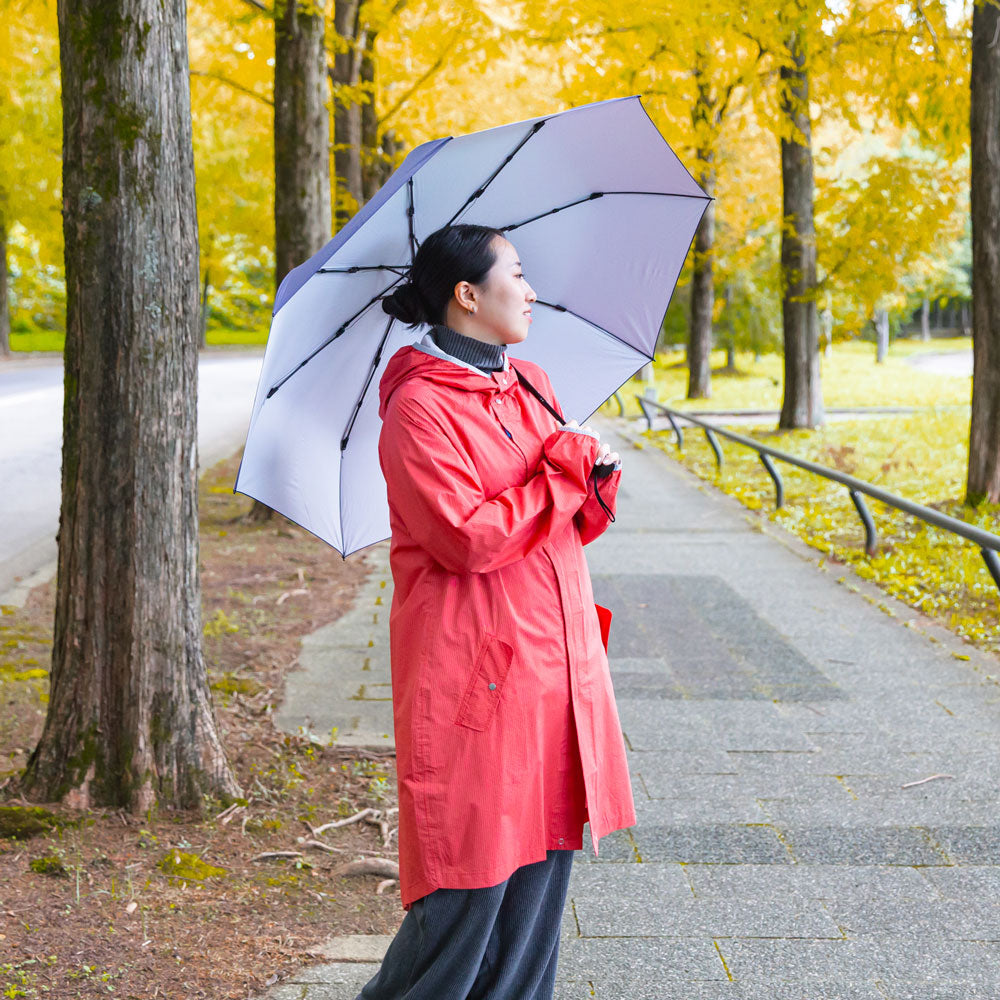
(55, 340)
(920, 456)
(849, 377)
(37, 340)
(226, 337)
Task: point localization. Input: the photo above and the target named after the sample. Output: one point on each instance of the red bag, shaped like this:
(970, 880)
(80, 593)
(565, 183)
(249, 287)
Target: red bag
(604, 617)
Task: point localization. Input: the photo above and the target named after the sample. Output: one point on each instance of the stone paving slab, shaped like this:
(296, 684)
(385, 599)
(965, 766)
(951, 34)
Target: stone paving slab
(830, 882)
(771, 718)
(343, 684)
(608, 915)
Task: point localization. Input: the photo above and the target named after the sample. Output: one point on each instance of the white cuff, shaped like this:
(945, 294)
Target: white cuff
(580, 430)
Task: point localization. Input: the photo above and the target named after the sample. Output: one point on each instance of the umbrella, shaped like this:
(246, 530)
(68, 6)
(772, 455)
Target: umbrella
(602, 214)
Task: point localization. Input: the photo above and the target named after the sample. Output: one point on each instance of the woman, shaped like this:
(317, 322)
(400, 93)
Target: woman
(507, 735)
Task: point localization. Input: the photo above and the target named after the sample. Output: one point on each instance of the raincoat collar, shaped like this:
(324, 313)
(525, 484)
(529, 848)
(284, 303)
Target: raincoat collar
(426, 361)
(429, 346)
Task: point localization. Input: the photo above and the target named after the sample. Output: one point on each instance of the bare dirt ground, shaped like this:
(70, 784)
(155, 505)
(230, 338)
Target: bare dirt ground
(180, 905)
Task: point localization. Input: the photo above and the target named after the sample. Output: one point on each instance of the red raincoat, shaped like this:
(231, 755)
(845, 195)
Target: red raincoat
(507, 734)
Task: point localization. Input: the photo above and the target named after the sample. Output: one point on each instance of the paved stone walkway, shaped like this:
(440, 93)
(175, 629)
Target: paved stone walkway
(773, 717)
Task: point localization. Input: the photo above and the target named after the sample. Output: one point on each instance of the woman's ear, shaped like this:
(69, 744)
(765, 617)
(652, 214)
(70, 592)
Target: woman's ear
(465, 296)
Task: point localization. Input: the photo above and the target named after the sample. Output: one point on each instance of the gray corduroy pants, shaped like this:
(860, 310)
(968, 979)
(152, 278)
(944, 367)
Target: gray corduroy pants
(497, 943)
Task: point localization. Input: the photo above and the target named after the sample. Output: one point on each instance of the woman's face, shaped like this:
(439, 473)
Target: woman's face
(502, 301)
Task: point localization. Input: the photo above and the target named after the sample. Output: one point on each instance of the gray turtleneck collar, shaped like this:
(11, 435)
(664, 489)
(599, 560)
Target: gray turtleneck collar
(485, 357)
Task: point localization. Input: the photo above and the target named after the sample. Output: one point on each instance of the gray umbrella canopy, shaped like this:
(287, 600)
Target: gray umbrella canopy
(602, 214)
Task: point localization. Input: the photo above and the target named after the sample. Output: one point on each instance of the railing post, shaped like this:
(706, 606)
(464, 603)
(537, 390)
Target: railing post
(715, 446)
(677, 431)
(779, 488)
(621, 405)
(645, 413)
(871, 535)
(992, 561)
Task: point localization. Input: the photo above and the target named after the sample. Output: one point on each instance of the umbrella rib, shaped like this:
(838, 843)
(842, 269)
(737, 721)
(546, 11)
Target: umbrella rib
(510, 156)
(329, 340)
(364, 391)
(399, 269)
(596, 326)
(414, 244)
(601, 194)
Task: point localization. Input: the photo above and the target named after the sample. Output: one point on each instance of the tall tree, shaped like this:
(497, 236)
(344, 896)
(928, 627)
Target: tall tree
(984, 434)
(301, 134)
(345, 75)
(379, 145)
(692, 70)
(301, 145)
(130, 716)
(30, 239)
(364, 153)
(702, 279)
(802, 402)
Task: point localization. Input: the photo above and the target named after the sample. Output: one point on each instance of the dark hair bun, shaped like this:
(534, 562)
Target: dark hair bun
(406, 305)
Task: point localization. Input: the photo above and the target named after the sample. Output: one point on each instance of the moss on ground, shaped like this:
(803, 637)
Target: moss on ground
(231, 684)
(48, 865)
(24, 822)
(186, 867)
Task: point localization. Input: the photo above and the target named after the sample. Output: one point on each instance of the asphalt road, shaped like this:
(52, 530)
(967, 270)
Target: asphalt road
(31, 443)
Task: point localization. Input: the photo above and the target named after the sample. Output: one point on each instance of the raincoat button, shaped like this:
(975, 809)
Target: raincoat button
(561, 840)
(493, 687)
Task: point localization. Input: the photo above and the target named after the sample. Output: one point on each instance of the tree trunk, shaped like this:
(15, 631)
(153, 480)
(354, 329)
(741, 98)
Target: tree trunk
(4, 298)
(203, 317)
(826, 331)
(301, 135)
(731, 331)
(881, 335)
(802, 405)
(925, 320)
(376, 152)
(345, 74)
(301, 146)
(130, 717)
(984, 434)
(702, 293)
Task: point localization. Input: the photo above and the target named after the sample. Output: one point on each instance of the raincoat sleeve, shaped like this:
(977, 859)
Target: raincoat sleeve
(436, 490)
(591, 519)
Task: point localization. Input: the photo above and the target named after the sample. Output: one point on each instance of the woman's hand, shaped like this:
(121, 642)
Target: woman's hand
(606, 456)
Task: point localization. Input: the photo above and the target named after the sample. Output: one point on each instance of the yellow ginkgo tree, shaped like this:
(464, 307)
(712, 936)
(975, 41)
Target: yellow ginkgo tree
(31, 243)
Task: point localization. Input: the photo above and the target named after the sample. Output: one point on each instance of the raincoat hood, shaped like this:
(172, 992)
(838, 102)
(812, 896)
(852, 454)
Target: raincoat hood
(425, 360)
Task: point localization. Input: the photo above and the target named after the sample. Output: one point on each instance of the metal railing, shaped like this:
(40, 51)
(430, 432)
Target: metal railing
(989, 544)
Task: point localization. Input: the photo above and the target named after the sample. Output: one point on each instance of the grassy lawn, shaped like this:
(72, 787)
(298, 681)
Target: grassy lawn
(37, 340)
(849, 377)
(55, 340)
(921, 456)
(241, 338)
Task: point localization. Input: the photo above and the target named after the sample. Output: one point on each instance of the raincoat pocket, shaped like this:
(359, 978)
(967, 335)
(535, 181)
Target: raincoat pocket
(482, 695)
